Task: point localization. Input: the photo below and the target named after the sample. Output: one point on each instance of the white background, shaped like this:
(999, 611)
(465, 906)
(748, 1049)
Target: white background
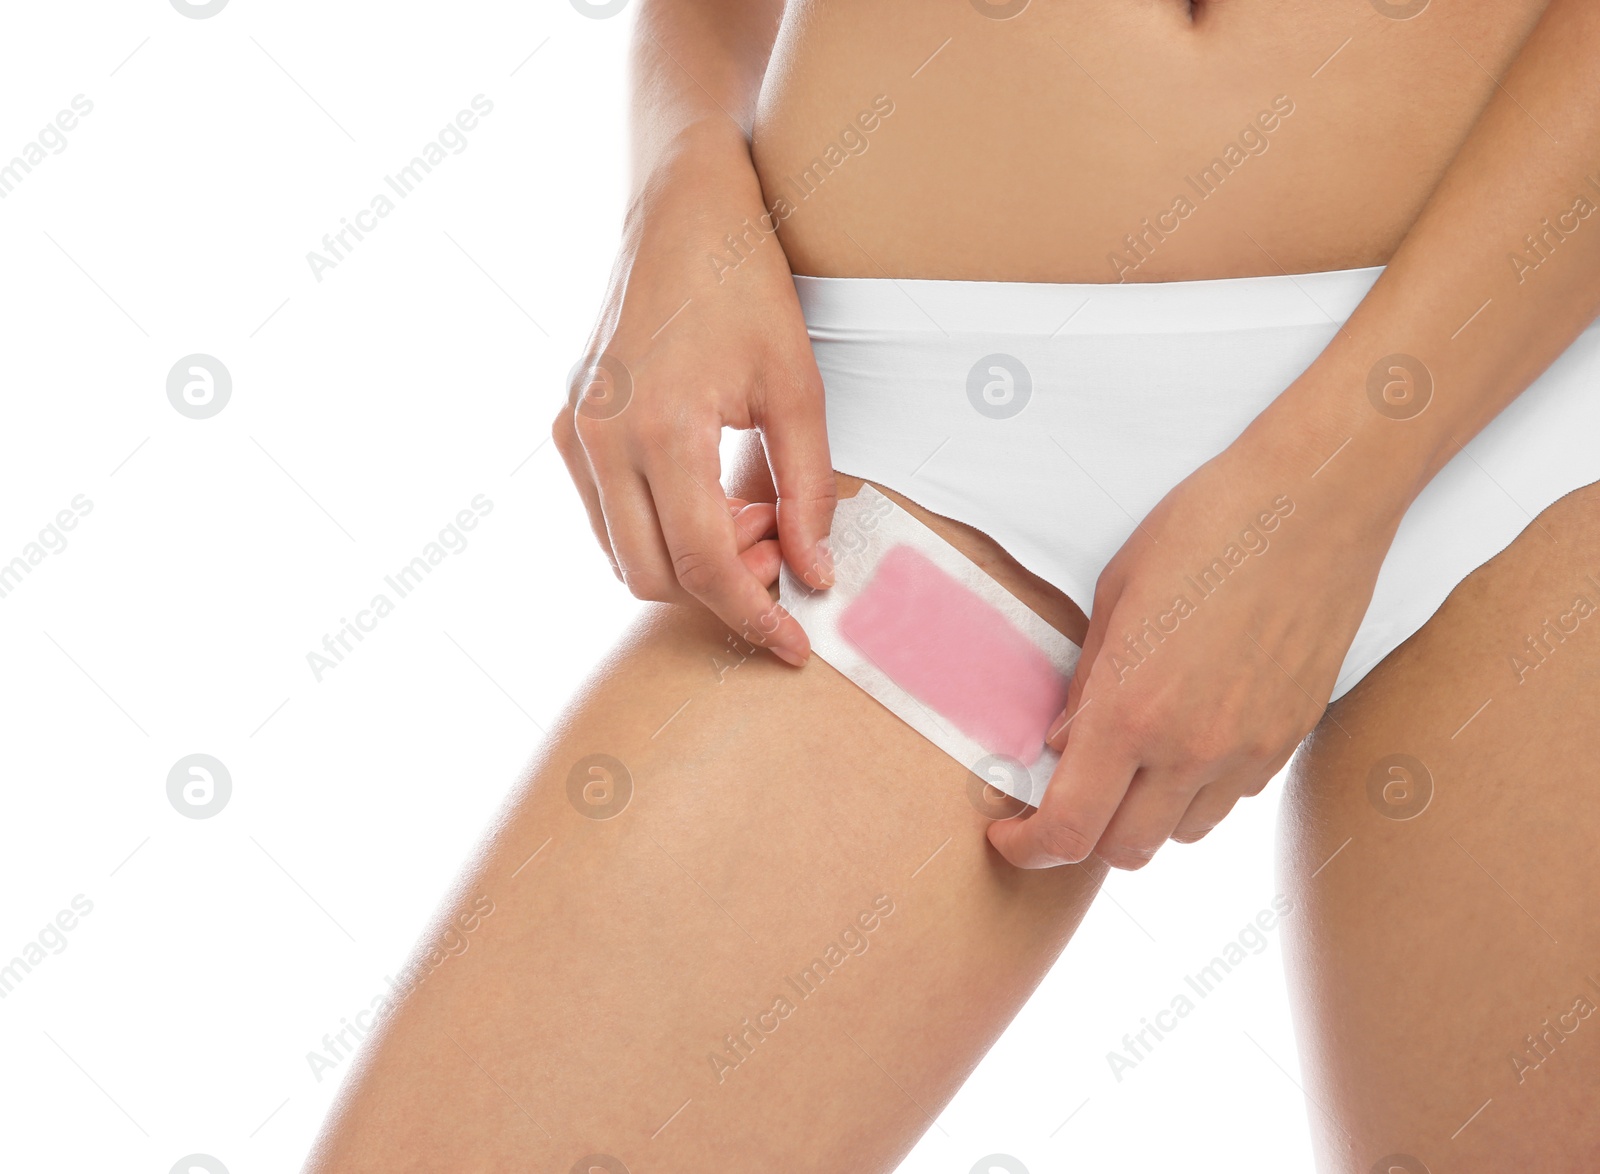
(367, 409)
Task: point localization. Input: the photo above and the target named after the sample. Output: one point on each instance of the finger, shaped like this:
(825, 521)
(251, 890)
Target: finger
(1155, 802)
(764, 560)
(702, 546)
(1083, 794)
(796, 439)
(1206, 810)
(754, 523)
(636, 535)
(1104, 606)
(1215, 800)
(1271, 769)
(577, 462)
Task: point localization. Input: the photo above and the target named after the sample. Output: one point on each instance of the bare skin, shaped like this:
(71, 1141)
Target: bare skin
(1427, 950)
(771, 813)
(773, 810)
(1028, 148)
(587, 1008)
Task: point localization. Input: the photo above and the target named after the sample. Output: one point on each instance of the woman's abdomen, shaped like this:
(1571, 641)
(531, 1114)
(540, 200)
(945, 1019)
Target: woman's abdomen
(1116, 140)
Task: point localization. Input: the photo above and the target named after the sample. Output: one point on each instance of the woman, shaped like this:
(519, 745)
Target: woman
(1171, 218)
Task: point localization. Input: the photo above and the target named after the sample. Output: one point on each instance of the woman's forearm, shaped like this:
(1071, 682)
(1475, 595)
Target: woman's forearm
(696, 71)
(1494, 280)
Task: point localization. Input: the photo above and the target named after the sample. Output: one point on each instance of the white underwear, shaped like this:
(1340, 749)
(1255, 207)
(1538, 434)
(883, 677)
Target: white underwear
(1054, 417)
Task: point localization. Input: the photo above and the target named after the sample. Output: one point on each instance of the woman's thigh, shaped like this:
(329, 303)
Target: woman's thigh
(1440, 835)
(784, 951)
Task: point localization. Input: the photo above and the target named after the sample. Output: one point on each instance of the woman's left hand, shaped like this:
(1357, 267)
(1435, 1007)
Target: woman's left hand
(1215, 640)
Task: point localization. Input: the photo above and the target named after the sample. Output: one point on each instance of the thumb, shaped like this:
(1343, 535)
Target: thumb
(795, 434)
(1093, 640)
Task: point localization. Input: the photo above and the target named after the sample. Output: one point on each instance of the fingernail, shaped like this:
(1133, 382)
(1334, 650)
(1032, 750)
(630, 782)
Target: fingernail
(791, 656)
(822, 563)
(1056, 727)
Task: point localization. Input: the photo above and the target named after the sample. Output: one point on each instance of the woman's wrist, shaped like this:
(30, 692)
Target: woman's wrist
(1348, 434)
(704, 169)
(710, 142)
(701, 221)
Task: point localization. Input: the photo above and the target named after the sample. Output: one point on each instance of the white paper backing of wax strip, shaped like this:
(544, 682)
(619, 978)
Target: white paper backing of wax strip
(865, 528)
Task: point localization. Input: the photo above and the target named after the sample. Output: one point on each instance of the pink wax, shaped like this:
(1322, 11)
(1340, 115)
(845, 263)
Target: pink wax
(956, 653)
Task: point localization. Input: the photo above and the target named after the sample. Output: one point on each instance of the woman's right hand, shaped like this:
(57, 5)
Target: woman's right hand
(695, 337)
